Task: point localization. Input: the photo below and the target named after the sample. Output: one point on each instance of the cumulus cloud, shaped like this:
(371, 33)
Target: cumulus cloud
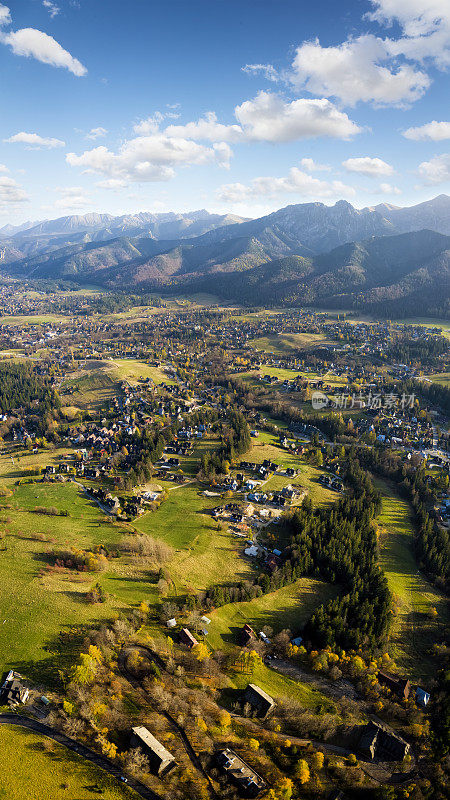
(267, 70)
(32, 43)
(357, 70)
(33, 140)
(52, 8)
(96, 133)
(206, 128)
(389, 70)
(5, 16)
(295, 182)
(269, 118)
(3, 168)
(417, 17)
(371, 167)
(156, 150)
(436, 170)
(149, 158)
(433, 131)
(266, 117)
(11, 192)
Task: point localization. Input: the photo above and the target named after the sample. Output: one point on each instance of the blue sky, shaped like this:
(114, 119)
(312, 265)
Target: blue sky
(242, 106)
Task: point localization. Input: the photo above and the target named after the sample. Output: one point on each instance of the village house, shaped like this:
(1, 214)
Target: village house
(398, 685)
(159, 758)
(12, 691)
(247, 780)
(377, 742)
(259, 701)
(187, 638)
(246, 635)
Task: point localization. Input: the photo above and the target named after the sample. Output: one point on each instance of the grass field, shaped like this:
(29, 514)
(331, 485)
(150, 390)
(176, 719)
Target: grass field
(37, 319)
(280, 686)
(36, 602)
(203, 555)
(288, 343)
(35, 768)
(429, 322)
(96, 381)
(414, 631)
(289, 607)
(132, 370)
(443, 378)
(289, 374)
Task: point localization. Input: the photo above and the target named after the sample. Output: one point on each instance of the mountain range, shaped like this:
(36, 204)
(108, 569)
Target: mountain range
(386, 258)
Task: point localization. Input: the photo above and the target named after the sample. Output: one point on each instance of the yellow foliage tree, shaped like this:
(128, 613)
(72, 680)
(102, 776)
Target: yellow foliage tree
(302, 771)
(317, 760)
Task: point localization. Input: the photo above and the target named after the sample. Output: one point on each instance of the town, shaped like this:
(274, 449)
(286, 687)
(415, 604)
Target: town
(179, 480)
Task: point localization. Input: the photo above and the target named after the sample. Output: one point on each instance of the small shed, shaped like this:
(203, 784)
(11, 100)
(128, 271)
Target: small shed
(187, 638)
(422, 697)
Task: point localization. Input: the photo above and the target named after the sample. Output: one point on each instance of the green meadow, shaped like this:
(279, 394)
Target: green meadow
(414, 627)
(36, 768)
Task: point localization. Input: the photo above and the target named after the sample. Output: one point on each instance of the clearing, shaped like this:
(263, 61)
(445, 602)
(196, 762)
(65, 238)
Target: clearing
(414, 629)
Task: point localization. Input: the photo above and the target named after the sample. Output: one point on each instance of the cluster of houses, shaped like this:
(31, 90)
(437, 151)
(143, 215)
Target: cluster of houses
(331, 482)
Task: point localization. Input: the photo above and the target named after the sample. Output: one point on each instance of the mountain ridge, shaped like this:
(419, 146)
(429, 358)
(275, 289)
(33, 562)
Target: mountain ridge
(332, 253)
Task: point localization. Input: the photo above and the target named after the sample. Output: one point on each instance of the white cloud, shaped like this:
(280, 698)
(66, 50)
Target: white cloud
(417, 17)
(267, 70)
(96, 133)
(33, 140)
(434, 131)
(387, 188)
(146, 127)
(114, 184)
(31, 43)
(357, 70)
(296, 182)
(149, 158)
(206, 128)
(312, 166)
(52, 8)
(269, 118)
(372, 167)
(266, 117)
(11, 192)
(436, 170)
(3, 168)
(5, 16)
(380, 70)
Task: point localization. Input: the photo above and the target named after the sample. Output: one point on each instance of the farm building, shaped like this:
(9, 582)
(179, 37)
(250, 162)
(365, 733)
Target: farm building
(159, 758)
(12, 691)
(260, 702)
(378, 742)
(398, 685)
(187, 638)
(244, 776)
